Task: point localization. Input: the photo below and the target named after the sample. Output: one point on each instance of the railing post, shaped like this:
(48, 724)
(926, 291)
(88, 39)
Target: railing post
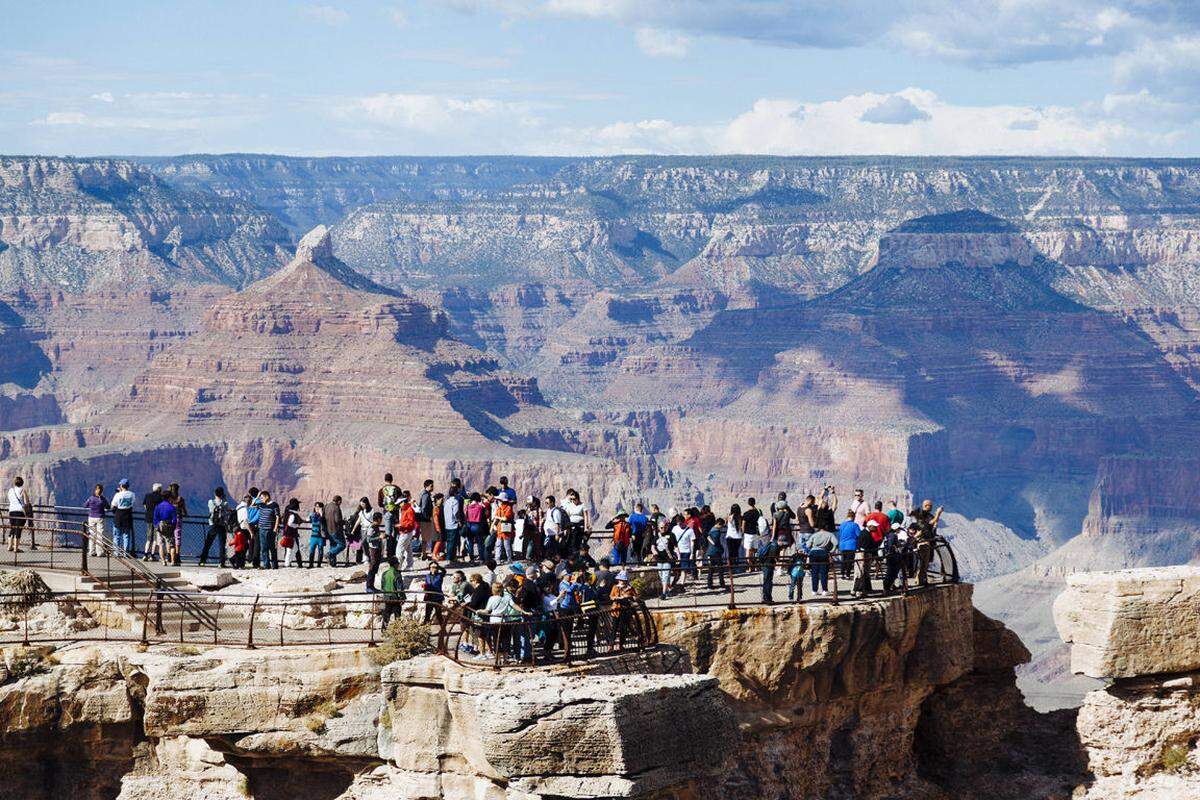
(250, 629)
(25, 609)
(732, 592)
(158, 609)
(830, 565)
(371, 624)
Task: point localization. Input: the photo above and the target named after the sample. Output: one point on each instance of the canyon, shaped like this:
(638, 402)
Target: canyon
(1017, 338)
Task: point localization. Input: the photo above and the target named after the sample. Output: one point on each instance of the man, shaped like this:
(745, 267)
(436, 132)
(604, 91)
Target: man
(638, 524)
(122, 509)
(894, 547)
(253, 510)
(96, 505)
(577, 520)
(218, 513)
(925, 522)
(452, 522)
(334, 527)
(867, 548)
(424, 512)
(714, 553)
(391, 585)
(848, 533)
(432, 586)
(407, 529)
(149, 503)
(882, 523)
(503, 526)
(553, 527)
(164, 518)
(781, 526)
(506, 491)
(767, 553)
(268, 526)
(388, 500)
(894, 514)
(860, 507)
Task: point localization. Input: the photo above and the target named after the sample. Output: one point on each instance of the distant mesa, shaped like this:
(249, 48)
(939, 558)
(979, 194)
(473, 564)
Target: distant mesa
(970, 220)
(968, 238)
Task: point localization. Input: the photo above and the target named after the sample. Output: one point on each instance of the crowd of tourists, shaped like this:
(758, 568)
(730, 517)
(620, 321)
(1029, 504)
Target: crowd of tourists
(547, 541)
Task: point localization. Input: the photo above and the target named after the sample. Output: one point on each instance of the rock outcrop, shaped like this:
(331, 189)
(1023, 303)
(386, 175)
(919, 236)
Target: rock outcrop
(1138, 628)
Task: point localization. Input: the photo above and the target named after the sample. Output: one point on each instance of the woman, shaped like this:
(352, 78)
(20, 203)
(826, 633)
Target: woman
(475, 513)
(533, 529)
(180, 513)
(826, 515)
(476, 601)
(359, 529)
(19, 509)
(685, 543)
(501, 608)
(503, 529)
(290, 540)
(664, 556)
(733, 539)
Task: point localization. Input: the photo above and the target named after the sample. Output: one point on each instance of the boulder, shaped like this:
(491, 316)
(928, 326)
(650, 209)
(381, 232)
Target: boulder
(180, 766)
(1132, 622)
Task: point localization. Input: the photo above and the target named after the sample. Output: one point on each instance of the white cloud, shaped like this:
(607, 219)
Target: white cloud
(1170, 67)
(327, 15)
(399, 18)
(430, 113)
(103, 97)
(662, 44)
(895, 110)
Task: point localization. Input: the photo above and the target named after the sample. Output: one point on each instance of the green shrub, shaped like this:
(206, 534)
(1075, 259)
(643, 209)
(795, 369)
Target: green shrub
(27, 662)
(1174, 758)
(404, 638)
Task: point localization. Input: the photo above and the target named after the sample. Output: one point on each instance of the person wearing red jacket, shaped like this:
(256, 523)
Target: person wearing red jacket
(407, 528)
(622, 536)
(882, 520)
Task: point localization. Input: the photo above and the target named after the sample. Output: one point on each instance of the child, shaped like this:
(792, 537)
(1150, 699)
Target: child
(241, 543)
(316, 535)
(796, 577)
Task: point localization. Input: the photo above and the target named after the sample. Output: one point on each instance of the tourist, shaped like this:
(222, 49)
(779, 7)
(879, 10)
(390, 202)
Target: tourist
(893, 549)
(96, 505)
(553, 527)
(733, 539)
(452, 522)
(247, 512)
(218, 516)
(425, 517)
(165, 516)
(860, 507)
(241, 545)
(603, 581)
(459, 588)
(506, 492)
(407, 529)
(181, 514)
(795, 571)
(894, 514)
(529, 599)
(20, 514)
(150, 502)
(664, 557)
(289, 538)
(359, 527)
(751, 519)
(388, 500)
(431, 585)
(806, 518)
(475, 513)
(533, 529)
(577, 520)
(685, 545)
(639, 524)
(374, 542)
(391, 585)
(622, 537)
(714, 552)
(317, 535)
(335, 528)
(766, 555)
(848, 533)
(826, 512)
(819, 546)
(122, 509)
(502, 528)
(883, 524)
(268, 528)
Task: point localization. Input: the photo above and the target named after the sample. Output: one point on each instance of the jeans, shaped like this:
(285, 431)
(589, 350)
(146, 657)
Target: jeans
(374, 557)
(504, 548)
(716, 566)
(316, 550)
(123, 538)
(215, 533)
(818, 564)
(474, 543)
(266, 548)
(451, 552)
(892, 564)
(620, 553)
(768, 581)
(336, 546)
(733, 555)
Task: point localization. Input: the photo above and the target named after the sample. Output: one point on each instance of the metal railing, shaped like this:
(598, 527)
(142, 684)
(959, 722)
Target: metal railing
(541, 638)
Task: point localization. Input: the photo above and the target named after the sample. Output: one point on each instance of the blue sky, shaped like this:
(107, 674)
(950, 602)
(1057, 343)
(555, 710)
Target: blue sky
(570, 77)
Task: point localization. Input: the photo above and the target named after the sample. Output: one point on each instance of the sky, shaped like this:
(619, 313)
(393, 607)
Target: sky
(601, 77)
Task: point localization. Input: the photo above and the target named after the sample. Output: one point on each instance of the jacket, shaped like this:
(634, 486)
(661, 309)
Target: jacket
(391, 583)
(848, 533)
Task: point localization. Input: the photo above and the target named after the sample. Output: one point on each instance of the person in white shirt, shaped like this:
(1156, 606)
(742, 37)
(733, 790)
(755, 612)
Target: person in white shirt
(18, 501)
(553, 526)
(122, 510)
(685, 544)
(577, 521)
(860, 507)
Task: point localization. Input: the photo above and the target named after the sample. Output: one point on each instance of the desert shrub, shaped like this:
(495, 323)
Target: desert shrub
(404, 638)
(27, 662)
(647, 585)
(1174, 758)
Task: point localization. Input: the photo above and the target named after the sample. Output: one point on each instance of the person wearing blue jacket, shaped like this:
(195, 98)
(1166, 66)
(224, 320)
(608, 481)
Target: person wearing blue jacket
(848, 533)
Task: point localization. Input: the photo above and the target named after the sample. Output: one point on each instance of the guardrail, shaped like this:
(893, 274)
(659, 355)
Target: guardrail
(253, 621)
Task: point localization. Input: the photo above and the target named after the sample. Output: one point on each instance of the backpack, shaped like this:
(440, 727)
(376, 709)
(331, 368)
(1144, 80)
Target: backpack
(231, 520)
(766, 550)
(218, 516)
(391, 496)
(252, 513)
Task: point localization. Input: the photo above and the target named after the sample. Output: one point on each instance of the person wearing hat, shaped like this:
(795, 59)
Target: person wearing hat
(502, 527)
(122, 510)
(406, 527)
(529, 599)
